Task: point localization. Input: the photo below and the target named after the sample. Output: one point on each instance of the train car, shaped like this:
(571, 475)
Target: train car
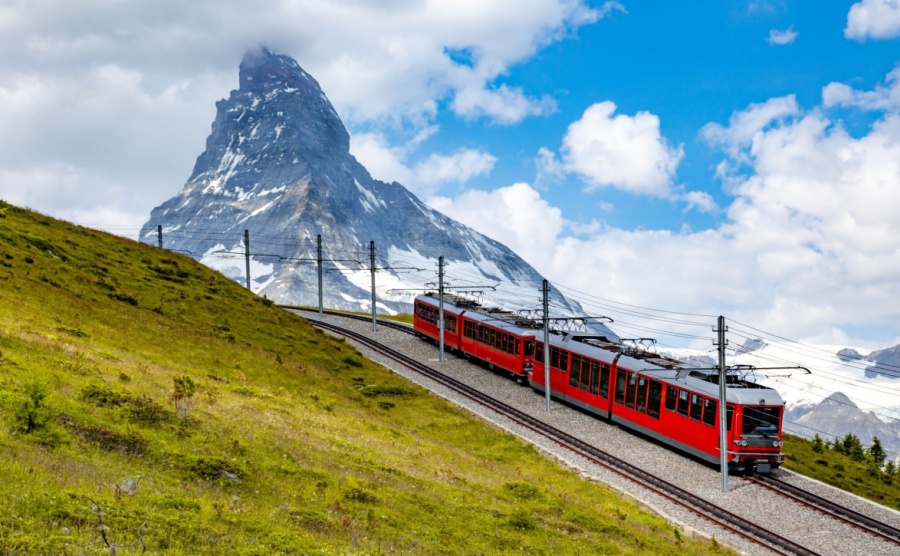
(628, 385)
(426, 311)
(651, 395)
(498, 338)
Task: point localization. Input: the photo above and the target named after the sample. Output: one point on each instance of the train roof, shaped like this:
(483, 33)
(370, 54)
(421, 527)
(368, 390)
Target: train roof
(637, 358)
(498, 318)
(631, 356)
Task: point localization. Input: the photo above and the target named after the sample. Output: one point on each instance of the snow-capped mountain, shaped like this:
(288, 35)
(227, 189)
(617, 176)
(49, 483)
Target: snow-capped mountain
(277, 163)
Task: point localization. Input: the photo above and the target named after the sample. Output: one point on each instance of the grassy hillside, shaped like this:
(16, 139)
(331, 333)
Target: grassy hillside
(148, 402)
(858, 475)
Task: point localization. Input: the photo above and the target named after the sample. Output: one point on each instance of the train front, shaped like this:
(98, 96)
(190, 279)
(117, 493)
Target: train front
(755, 439)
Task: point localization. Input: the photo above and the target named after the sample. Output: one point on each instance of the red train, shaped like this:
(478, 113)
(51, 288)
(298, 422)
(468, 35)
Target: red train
(632, 387)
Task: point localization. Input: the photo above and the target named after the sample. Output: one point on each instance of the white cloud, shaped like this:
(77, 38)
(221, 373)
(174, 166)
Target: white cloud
(624, 152)
(882, 98)
(810, 238)
(548, 168)
(516, 216)
(387, 163)
(744, 125)
(876, 19)
(504, 104)
(779, 37)
(700, 201)
(122, 96)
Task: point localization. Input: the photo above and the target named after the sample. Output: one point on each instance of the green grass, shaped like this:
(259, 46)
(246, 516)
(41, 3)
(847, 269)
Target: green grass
(291, 442)
(400, 317)
(841, 471)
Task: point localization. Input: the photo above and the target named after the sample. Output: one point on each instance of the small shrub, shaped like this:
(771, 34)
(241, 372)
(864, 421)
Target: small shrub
(387, 391)
(182, 394)
(112, 441)
(102, 396)
(124, 297)
(145, 410)
(33, 417)
(212, 468)
(522, 490)
(72, 332)
(521, 520)
(360, 495)
(353, 361)
(32, 414)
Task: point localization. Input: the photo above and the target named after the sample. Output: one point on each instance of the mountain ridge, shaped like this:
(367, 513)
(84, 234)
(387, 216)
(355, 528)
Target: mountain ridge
(277, 163)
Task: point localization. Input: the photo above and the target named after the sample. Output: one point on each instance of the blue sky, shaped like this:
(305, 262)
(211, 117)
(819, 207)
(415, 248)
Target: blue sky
(737, 158)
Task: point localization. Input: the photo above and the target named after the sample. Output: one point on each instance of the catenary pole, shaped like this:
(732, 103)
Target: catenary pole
(546, 292)
(247, 255)
(372, 260)
(723, 410)
(441, 308)
(319, 269)
(159, 235)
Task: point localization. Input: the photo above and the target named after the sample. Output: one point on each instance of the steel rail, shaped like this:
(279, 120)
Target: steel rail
(694, 503)
(831, 508)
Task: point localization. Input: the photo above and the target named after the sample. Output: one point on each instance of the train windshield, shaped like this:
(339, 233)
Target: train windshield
(761, 420)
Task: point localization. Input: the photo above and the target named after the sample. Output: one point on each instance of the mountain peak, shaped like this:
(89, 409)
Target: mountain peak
(260, 67)
(277, 165)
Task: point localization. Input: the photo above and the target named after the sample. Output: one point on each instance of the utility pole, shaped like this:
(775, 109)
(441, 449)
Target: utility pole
(372, 259)
(546, 291)
(723, 445)
(159, 235)
(247, 255)
(319, 266)
(441, 308)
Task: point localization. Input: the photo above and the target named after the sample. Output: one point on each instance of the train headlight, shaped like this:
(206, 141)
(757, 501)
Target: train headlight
(777, 443)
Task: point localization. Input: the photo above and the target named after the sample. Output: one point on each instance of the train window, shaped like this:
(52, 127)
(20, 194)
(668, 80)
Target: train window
(641, 401)
(518, 348)
(529, 348)
(654, 399)
(729, 415)
(585, 373)
(709, 411)
(504, 342)
(630, 390)
(575, 377)
(683, 400)
(595, 378)
(539, 352)
(620, 387)
(761, 420)
(450, 323)
(604, 381)
(559, 359)
(696, 406)
(671, 397)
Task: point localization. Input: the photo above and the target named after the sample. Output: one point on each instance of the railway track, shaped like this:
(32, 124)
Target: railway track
(723, 518)
(831, 508)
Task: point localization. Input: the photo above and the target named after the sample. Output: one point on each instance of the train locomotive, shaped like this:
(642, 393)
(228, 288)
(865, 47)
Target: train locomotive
(623, 383)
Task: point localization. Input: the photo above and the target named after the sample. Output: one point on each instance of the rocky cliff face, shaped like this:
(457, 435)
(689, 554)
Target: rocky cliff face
(277, 163)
